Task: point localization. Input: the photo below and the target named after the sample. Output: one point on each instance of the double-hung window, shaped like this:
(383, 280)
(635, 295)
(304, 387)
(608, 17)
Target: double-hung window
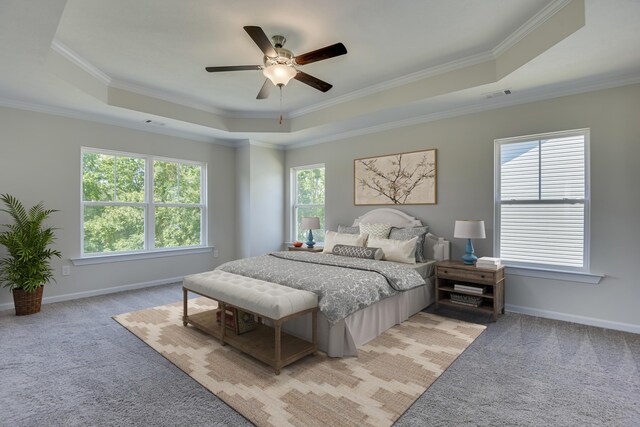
(542, 200)
(138, 203)
(307, 194)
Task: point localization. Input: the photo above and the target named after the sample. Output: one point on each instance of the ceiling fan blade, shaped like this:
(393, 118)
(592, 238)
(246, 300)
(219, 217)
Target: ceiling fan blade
(321, 54)
(261, 39)
(312, 81)
(233, 68)
(266, 89)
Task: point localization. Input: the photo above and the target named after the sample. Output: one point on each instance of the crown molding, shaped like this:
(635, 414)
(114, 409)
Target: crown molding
(551, 92)
(82, 115)
(538, 19)
(525, 29)
(447, 67)
(79, 61)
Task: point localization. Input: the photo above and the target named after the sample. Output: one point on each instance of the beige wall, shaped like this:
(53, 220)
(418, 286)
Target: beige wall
(465, 189)
(40, 161)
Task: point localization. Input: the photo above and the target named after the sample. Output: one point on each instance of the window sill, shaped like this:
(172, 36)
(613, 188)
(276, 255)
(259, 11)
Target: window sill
(108, 258)
(545, 273)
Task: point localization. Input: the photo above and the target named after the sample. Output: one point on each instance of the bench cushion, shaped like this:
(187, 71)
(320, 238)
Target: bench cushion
(264, 298)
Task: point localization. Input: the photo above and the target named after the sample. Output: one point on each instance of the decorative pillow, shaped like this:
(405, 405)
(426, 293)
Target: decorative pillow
(379, 231)
(348, 230)
(409, 233)
(357, 252)
(331, 238)
(396, 250)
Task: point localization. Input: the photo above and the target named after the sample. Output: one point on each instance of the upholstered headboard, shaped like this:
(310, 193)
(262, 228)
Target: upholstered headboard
(391, 216)
(400, 219)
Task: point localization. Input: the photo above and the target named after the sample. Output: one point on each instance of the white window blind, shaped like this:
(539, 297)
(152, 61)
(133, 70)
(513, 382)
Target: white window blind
(542, 200)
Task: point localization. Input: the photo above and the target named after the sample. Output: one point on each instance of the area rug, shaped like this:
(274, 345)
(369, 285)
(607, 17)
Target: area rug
(374, 389)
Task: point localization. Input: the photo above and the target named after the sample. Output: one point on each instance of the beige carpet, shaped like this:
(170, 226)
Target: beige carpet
(374, 389)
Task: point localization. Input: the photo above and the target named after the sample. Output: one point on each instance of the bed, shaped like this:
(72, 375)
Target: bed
(342, 330)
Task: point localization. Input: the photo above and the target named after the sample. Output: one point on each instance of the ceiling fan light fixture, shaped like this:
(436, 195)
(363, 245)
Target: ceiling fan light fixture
(279, 74)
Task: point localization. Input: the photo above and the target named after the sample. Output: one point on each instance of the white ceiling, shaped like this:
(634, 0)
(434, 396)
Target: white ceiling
(159, 49)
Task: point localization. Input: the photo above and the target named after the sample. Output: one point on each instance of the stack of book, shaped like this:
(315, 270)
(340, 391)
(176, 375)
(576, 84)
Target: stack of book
(471, 289)
(468, 300)
(488, 262)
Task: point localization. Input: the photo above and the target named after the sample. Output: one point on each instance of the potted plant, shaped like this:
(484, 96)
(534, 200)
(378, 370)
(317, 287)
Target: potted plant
(26, 268)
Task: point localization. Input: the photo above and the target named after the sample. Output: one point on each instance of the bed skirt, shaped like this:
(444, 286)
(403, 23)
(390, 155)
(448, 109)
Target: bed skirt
(344, 337)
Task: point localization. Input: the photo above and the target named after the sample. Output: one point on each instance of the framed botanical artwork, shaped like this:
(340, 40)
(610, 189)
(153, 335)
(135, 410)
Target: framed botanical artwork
(396, 179)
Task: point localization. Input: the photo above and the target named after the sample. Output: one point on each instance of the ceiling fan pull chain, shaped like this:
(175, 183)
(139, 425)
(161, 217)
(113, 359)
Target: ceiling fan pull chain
(280, 103)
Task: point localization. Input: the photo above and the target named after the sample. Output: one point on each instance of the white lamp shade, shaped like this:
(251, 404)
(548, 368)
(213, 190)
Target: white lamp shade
(469, 229)
(310, 223)
(279, 74)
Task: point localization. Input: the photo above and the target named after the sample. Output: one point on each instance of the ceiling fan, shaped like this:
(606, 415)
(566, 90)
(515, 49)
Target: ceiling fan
(280, 65)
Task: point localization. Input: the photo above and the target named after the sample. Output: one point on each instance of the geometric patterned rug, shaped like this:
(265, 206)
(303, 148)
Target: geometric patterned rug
(374, 389)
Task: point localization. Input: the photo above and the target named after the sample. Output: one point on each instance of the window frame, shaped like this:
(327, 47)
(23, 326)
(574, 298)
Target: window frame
(293, 228)
(149, 204)
(498, 143)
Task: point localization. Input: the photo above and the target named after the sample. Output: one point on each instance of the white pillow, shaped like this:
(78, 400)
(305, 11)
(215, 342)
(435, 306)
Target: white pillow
(396, 250)
(331, 238)
(379, 231)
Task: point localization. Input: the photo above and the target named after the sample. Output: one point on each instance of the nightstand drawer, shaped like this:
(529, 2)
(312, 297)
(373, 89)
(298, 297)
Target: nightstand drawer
(485, 277)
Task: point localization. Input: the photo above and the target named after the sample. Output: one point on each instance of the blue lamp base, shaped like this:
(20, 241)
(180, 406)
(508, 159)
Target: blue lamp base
(310, 241)
(469, 258)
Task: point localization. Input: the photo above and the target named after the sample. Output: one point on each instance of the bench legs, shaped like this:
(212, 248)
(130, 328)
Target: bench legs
(277, 326)
(223, 322)
(185, 316)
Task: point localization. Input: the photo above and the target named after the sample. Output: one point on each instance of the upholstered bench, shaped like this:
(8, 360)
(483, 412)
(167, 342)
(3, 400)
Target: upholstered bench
(265, 300)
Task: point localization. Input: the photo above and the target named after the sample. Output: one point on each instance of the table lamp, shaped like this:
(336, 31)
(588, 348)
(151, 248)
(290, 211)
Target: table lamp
(310, 223)
(469, 229)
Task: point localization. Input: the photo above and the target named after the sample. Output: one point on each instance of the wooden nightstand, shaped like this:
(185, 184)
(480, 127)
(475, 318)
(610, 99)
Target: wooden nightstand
(305, 249)
(449, 273)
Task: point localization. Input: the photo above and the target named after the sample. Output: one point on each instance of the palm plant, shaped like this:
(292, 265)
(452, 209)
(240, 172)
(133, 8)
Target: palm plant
(27, 265)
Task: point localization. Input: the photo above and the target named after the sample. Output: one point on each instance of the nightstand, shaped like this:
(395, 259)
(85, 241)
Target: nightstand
(305, 249)
(450, 273)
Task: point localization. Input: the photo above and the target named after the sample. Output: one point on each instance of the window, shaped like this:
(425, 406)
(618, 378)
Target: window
(138, 203)
(307, 191)
(542, 200)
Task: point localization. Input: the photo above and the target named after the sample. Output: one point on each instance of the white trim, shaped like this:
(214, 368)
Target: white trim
(135, 256)
(73, 57)
(525, 29)
(547, 273)
(293, 226)
(447, 67)
(582, 274)
(123, 123)
(98, 292)
(149, 205)
(556, 91)
(574, 318)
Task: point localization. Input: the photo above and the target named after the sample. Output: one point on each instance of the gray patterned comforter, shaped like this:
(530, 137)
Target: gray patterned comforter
(343, 285)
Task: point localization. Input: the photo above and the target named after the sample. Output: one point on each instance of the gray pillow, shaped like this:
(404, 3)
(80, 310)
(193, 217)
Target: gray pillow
(357, 251)
(348, 230)
(410, 233)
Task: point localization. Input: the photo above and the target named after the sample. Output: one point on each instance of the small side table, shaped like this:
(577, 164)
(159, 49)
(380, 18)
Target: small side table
(305, 249)
(450, 273)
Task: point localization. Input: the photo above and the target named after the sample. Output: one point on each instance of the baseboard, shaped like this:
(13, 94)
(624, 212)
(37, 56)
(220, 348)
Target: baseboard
(618, 326)
(98, 292)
